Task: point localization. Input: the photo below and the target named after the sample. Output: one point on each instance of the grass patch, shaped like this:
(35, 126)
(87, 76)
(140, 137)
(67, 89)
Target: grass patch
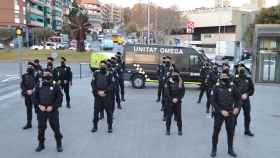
(42, 55)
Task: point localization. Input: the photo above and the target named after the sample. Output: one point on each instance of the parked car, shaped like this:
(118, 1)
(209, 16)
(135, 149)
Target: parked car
(107, 44)
(50, 45)
(1, 46)
(72, 48)
(37, 47)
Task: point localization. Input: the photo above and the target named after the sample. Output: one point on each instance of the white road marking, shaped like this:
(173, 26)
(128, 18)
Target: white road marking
(9, 79)
(9, 95)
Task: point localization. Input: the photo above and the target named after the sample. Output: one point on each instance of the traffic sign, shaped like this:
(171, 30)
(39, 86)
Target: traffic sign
(190, 24)
(190, 27)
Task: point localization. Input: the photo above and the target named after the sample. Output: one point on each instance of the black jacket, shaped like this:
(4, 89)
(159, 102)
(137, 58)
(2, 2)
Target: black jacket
(48, 94)
(28, 83)
(210, 79)
(225, 97)
(102, 81)
(63, 73)
(172, 90)
(38, 73)
(245, 85)
(161, 72)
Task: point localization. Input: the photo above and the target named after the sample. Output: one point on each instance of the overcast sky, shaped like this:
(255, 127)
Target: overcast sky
(184, 4)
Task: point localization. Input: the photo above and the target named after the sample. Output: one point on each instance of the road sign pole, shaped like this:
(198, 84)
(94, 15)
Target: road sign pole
(19, 55)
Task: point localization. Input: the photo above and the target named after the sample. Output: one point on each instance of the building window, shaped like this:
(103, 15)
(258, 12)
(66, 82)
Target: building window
(194, 60)
(268, 44)
(207, 36)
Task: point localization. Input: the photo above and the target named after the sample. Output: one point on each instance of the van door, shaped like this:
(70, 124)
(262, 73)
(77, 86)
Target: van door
(195, 66)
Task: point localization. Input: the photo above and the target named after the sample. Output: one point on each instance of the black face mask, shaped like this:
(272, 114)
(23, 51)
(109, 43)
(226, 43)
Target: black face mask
(62, 63)
(175, 78)
(242, 73)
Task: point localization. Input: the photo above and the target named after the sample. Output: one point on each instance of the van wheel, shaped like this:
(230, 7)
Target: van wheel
(138, 82)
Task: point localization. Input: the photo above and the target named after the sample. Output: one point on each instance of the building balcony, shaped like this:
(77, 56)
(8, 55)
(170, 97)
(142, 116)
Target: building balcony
(36, 11)
(36, 24)
(58, 18)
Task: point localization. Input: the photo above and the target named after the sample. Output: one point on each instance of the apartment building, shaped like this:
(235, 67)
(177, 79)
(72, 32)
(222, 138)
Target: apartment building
(12, 13)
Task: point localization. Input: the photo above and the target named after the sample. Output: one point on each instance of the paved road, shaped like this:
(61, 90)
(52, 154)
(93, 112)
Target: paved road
(138, 129)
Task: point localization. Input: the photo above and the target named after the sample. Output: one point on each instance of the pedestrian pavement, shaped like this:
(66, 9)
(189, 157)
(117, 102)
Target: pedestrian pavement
(138, 128)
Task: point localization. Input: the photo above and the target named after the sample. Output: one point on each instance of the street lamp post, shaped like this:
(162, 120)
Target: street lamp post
(148, 36)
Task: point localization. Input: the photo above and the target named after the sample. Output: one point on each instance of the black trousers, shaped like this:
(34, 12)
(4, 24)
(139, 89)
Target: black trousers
(202, 90)
(176, 110)
(164, 104)
(53, 118)
(121, 82)
(208, 94)
(101, 103)
(230, 128)
(160, 88)
(246, 106)
(66, 88)
(117, 94)
(28, 105)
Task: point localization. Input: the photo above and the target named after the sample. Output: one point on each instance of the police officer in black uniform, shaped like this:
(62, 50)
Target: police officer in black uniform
(64, 78)
(47, 99)
(121, 70)
(37, 71)
(27, 86)
(225, 99)
(203, 74)
(167, 68)
(246, 88)
(210, 81)
(102, 89)
(50, 60)
(174, 91)
(161, 75)
(50, 69)
(116, 95)
(116, 71)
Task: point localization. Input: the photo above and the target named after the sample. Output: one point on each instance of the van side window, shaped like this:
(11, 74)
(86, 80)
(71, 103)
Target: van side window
(194, 60)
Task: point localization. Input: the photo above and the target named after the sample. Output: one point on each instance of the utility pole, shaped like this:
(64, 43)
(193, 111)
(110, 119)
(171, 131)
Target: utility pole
(19, 55)
(148, 37)
(219, 42)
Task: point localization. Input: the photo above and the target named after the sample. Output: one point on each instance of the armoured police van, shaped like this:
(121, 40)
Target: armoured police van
(142, 62)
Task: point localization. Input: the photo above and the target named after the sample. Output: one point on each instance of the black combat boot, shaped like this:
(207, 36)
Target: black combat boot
(249, 133)
(40, 147)
(68, 105)
(94, 129)
(167, 132)
(119, 106)
(231, 152)
(110, 129)
(214, 151)
(158, 100)
(59, 145)
(180, 132)
(27, 126)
